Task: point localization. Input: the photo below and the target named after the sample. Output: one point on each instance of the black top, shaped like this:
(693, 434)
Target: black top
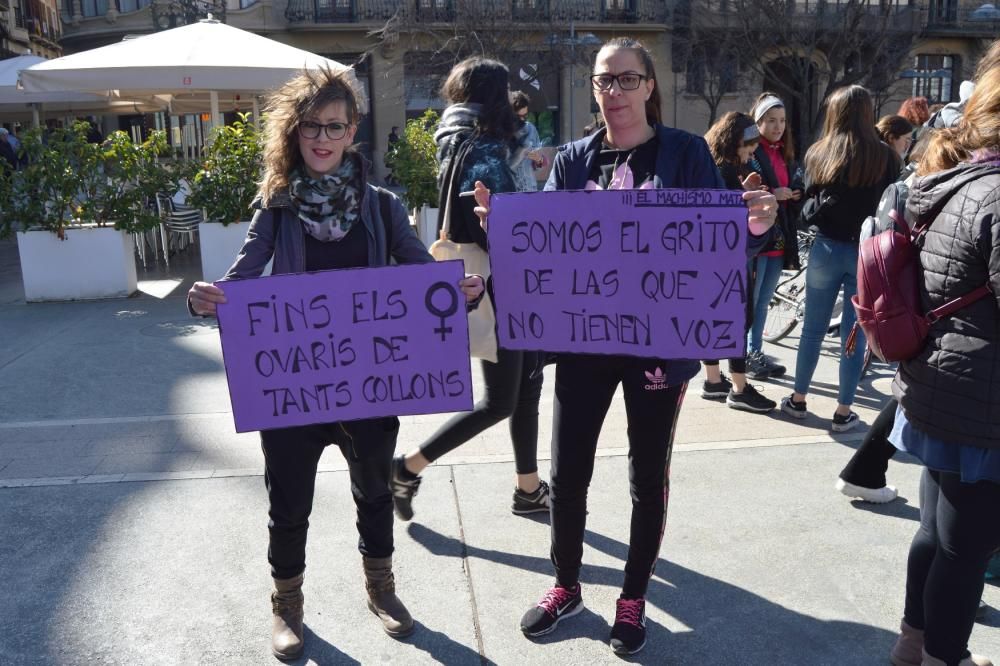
(641, 161)
(837, 211)
(731, 175)
(351, 251)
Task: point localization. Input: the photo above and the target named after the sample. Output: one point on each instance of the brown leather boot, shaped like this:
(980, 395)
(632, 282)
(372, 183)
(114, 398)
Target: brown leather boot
(382, 599)
(909, 646)
(286, 630)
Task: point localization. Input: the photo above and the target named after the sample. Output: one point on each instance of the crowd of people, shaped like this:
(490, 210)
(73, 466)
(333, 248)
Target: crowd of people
(317, 210)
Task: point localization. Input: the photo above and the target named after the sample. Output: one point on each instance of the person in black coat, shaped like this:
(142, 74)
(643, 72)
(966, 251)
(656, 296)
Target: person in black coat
(949, 393)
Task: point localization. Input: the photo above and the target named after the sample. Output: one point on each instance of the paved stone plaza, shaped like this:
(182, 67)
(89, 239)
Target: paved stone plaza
(134, 519)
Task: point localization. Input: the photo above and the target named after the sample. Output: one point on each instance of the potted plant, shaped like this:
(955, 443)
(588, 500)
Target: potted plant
(224, 186)
(414, 166)
(74, 207)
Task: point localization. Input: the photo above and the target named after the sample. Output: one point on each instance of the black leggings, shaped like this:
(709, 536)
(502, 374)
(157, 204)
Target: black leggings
(585, 386)
(739, 364)
(291, 456)
(511, 391)
(959, 531)
(869, 463)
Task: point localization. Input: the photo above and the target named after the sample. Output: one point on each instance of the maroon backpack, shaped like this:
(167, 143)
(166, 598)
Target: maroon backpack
(888, 298)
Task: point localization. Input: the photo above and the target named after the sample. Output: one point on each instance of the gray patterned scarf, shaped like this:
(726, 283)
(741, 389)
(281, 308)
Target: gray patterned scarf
(330, 206)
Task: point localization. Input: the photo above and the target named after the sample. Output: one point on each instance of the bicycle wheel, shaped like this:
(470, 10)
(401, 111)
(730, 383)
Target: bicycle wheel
(781, 320)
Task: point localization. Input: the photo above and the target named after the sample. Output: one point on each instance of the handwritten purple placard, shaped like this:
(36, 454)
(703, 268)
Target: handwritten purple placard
(345, 345)
(649, 273)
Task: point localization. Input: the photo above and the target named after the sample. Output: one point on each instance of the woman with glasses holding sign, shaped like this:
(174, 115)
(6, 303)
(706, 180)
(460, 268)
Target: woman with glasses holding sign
(317, 211)
(633, 150)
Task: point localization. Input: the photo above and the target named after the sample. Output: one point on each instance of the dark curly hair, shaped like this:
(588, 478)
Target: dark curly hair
(726, 136)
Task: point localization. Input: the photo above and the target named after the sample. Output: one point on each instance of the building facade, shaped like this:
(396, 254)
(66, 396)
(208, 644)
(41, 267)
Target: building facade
(30, 26)
(403, 48)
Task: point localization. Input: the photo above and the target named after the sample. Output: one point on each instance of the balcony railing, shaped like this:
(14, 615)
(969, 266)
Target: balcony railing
(449, 11)
(434, 11)
(611, 11)
(92, 8)
(530, 10)
(812, 15)
(340, 11)
(947, 17)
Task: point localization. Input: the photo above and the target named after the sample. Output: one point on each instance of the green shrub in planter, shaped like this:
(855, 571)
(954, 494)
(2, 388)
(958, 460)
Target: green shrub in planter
(226, 184)
(70, 181)
(6, 221)
(414, 161)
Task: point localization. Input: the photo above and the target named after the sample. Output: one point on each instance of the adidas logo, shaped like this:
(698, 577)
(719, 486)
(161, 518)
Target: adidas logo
(657, 381)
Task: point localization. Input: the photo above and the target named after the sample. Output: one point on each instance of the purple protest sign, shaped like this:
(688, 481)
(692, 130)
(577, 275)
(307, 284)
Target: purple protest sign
(649, 273)
(345, 345)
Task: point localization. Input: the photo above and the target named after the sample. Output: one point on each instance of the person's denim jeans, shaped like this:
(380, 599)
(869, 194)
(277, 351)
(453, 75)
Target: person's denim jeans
(768, 273)
(832, 265)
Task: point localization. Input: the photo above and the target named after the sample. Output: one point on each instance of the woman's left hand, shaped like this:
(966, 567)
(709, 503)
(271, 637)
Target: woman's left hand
(472, 286)
(763, 211)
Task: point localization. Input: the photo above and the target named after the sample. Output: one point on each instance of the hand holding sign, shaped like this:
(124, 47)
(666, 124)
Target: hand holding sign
(763, 211)
(204, 297)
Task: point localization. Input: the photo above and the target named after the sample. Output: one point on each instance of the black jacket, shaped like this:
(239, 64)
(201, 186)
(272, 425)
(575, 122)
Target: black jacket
(951, 390)
(788, 211)
(682, 160)
(837, 211)
(486, 160)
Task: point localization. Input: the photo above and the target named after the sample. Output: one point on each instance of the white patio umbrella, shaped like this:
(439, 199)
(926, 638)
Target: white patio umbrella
(204, 57)
(19, 104)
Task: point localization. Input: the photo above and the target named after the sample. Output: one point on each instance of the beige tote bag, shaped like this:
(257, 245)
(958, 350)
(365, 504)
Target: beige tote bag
(482, 320)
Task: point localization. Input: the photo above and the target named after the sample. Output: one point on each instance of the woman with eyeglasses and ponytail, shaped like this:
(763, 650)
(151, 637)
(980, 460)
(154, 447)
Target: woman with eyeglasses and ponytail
(632, 150)
(317, 211)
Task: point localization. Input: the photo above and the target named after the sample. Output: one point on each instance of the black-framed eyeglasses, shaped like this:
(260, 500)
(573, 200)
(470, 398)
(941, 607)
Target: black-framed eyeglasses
(334, 131)
(626, 81)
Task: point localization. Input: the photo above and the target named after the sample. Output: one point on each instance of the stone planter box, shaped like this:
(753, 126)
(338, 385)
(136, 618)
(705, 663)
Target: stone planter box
(219, 246)
(93, 262)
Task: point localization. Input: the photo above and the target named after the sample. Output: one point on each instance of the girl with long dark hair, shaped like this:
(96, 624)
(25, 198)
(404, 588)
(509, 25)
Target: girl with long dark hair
(480, 112)
(846, 172)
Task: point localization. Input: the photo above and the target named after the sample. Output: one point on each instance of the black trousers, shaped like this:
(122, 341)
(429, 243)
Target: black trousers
(869, 463)
(291, 456)
(585, 386)
(511, 392)
(959, 532)
(739, 364)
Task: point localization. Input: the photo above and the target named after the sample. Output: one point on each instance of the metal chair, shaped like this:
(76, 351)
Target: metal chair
(176, 222)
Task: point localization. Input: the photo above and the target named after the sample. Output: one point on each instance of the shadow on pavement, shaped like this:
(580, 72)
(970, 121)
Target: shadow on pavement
(441, 648)
(898, 508)
(320, 651)
(728, 624)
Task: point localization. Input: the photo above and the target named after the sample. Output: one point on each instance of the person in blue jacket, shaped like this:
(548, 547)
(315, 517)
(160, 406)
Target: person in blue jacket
(633, 150)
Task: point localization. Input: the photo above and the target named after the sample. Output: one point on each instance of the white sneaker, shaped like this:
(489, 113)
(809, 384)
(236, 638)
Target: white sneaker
(873, 495)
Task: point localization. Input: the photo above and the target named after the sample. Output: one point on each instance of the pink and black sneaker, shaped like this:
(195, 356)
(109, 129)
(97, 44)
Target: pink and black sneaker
(558, 604)
(628, 635)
